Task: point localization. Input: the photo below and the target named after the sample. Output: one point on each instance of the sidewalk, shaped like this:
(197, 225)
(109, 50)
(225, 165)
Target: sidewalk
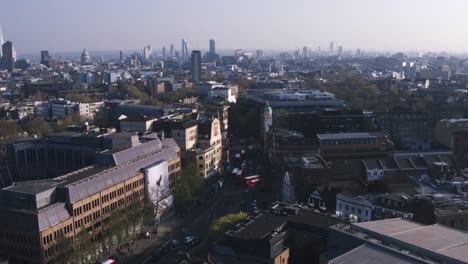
(127, 252)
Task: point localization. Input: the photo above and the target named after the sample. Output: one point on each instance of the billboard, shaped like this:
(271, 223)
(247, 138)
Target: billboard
(157, 187)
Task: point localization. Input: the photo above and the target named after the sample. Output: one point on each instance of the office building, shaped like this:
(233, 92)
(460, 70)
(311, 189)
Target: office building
(147, 52)
(208, 154)
(295, 101)
(330, 121)
(185, 54)
(121, 55)
(355, 145)
(87, 77)
(85, 57)
(45, 58)
(110, 77)
(8, 58)
(340, 51)
(59, 209)
(196, 69)
(283, 234)
(163, 52)
(260, 54)
(212, 46)
(406, 129)
(331, 48)
(305, 52)
(171, 50)
(353, 208)
(446, 127)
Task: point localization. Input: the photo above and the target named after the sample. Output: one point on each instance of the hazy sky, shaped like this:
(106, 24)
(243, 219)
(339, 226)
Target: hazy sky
(71, 25)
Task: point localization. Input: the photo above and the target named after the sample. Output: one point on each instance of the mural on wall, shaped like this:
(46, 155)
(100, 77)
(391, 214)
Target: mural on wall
(157, 187)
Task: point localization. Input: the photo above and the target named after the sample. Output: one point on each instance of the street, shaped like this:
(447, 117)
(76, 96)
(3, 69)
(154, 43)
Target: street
(196, 222)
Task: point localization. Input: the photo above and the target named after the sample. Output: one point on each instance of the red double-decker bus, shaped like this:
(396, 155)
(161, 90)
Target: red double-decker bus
(252, 181)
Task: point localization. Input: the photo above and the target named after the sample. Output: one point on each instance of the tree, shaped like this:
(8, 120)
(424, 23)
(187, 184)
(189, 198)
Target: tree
(84, 249)
(134, 92)
(223, 224)
(64, 249)
(182, 195)
(38, 127)
(68, 120)
(9, 131)
(79, 98)
(100, 118)
(195, 182)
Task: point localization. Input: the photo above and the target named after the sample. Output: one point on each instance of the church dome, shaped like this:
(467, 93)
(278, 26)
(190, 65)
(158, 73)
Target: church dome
(85, 57)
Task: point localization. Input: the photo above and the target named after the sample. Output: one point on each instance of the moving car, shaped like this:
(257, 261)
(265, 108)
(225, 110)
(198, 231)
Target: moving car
(191, 240)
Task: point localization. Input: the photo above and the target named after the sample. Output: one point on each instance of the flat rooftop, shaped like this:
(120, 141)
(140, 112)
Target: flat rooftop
(368, 253)
(349, 135)
(437, 238)
(32, 187)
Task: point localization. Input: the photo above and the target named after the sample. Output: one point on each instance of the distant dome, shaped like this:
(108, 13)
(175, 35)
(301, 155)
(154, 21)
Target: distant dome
(85, 57)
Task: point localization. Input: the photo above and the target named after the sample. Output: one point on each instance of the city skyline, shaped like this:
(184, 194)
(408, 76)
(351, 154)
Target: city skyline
(98, 26)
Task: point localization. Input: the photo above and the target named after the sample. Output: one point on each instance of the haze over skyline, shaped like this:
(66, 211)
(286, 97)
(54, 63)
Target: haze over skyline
(398, 25)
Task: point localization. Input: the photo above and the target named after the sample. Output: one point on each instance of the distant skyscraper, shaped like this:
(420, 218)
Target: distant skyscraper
(147, 52)
(164, 52)
(358, 52)
(8, 58)
(85, 57)
(212, 46)
(238, 53)
(259, 54)
(121, 56)
(45, 59)
(331, 49)
(196, 66)
(340, 51)
(1, 40)
(305, 51)
(184, 50)
(171, 50)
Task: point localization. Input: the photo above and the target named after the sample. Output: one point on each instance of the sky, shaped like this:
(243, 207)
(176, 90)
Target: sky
(108, 25)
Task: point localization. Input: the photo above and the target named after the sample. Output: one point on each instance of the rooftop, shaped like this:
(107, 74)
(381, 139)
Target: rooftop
(442, 240)
(261, 224)
(32, 187)
(368, 253)
(349, 135)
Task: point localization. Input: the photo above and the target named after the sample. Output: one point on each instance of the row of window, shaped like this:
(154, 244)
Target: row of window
(13, 250)
(11, 237)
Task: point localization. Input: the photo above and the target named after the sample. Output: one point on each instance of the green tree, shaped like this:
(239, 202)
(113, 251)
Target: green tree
(100, 118)
(194, 181)
(9, 131)
(223, 224)
(38, 127)
(73, 119)
(85, 248)
(182, 195)
(79, 98)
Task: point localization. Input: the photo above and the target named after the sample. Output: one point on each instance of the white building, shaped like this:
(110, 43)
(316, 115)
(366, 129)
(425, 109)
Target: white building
(356, 209)
(374, 170)
(223, 92)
